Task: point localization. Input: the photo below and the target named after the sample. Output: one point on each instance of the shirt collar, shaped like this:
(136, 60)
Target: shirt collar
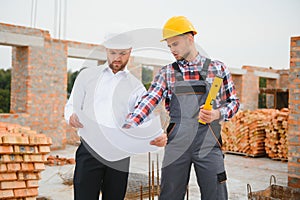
(196, 61)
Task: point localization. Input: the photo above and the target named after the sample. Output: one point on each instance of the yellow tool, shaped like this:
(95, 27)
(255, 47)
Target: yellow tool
(215, 87)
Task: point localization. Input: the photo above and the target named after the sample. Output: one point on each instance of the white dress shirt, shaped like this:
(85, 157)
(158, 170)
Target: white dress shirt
(104, 96)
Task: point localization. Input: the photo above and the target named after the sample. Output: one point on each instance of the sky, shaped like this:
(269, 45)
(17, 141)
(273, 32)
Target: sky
(236, 32)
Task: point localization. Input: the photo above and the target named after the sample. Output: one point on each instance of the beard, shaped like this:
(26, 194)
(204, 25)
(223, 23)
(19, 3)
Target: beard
(117, 66)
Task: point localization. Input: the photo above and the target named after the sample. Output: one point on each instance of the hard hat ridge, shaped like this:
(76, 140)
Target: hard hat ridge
(118, 41)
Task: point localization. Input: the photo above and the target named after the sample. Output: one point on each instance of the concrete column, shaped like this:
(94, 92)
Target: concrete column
(19, 79)
(250, 89)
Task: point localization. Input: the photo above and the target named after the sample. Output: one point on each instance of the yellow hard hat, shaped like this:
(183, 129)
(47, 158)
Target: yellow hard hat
(177, 25)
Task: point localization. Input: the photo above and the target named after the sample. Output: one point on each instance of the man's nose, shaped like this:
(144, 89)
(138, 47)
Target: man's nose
(118, 57)
(172, 50)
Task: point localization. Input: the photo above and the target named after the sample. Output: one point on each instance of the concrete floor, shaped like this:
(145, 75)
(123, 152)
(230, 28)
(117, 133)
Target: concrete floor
(240, 171)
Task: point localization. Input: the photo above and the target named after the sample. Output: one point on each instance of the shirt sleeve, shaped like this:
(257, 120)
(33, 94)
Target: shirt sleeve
(229, 101)
(136, 97)
(76, 98)
(149, 101)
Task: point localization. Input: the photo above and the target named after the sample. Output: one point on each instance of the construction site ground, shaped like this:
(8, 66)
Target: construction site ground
(241, 170)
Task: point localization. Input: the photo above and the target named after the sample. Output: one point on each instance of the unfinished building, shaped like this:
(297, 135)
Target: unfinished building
(39, 85)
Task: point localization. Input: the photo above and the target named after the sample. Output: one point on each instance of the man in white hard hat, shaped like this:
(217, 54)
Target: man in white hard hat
(93, 92)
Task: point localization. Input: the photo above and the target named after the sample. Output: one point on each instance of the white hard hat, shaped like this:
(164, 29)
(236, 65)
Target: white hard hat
(117, 41)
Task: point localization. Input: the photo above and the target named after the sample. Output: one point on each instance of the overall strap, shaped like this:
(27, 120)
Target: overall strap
(178, 76)
(178, 72)
(203, 73)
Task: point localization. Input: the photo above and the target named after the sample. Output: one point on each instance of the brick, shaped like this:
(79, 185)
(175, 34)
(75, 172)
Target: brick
(294, 182)
(21, 149)
(44, 149)
(29, 176)
(38, 139)
(3, 168)
(6, 149)
(6, 194)
(15, 139)
(27, 166)
(11, 158)
(8, 176)
(12, 184)
(32, 183)
(34, 158)
(294, 169)
(12, 167)
(71, 161)
(39, 166)
(49, 140)
(29, 198)
(30, 132)
(26, 192)
(32, 149)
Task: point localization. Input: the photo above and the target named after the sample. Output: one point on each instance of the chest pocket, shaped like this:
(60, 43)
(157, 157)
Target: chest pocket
(188, 96)
(192, 89)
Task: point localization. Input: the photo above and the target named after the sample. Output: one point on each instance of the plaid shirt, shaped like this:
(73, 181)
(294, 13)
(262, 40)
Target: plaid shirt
(163, 84)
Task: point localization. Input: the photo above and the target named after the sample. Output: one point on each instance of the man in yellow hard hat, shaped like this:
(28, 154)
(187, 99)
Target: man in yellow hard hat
(184, 85)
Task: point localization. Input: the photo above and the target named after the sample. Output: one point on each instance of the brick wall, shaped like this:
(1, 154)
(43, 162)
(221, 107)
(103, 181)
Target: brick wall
(294, 119)
(250, 85)
(38, 86)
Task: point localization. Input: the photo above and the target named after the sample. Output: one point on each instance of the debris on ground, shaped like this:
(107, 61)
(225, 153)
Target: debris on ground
(59, 161)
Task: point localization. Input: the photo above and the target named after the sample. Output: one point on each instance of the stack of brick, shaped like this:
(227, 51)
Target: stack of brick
(276, 135)
(245, 133)
(22, 157)
(257, 132)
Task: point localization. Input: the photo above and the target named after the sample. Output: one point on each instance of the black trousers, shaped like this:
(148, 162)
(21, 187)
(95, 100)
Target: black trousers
(94, 174)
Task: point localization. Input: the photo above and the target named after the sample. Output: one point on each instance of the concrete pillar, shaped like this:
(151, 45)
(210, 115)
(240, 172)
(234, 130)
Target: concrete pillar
(250, 89)
(238, 83)
(19, 79)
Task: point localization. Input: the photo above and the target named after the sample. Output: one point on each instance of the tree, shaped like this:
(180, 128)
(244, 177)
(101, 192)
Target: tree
(147, 76)
(71, 79)
(4, 101)
(5, 79)
(262, 97)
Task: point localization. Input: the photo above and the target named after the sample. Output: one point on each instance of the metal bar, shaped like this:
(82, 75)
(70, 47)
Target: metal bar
(141, 192)
(157, 176)
(152, 185)
(149, 174)
(187, 192)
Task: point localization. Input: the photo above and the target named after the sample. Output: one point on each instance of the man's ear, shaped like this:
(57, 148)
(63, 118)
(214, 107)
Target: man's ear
(190, 36)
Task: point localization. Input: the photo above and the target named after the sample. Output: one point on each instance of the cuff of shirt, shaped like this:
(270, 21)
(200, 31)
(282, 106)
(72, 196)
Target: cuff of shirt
(129, 124)
(223, 113)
